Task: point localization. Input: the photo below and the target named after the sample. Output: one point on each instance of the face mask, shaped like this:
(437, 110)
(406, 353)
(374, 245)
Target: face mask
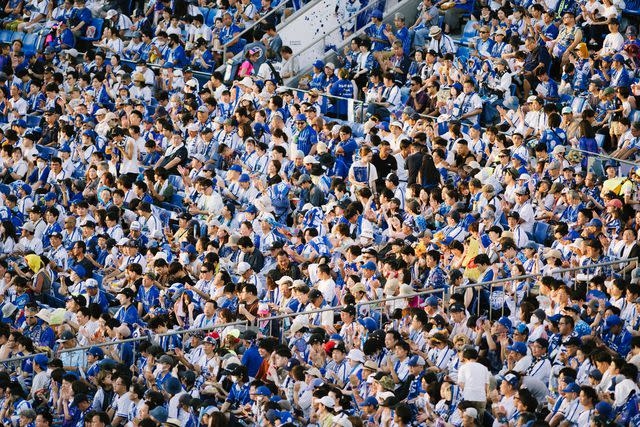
(99, 173)
(41, 165)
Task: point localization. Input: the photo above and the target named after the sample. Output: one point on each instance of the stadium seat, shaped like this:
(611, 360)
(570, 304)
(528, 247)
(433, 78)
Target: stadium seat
(30, 43)
(463, 52)
(540, 232)
(5, 36)
(97, 24)
(635, 116)
(17, 36)
(599, 139)
(32, 121)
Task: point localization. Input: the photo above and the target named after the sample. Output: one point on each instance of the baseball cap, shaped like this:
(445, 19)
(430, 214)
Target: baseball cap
(518, 347)
(416, 360)
(572, 388)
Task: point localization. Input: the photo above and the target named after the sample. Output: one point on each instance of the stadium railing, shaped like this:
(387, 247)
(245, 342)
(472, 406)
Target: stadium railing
(278, 10)
(322, 41)
(276, 328)
(355, 107)
(145, 337)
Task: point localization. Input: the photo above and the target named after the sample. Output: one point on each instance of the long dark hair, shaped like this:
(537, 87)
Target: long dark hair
(428, 172)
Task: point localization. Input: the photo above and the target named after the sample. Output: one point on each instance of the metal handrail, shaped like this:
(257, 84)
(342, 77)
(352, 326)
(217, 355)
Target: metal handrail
(437, 291)
(333, 308)
(140, 338)
(253, 25)
(328, 95)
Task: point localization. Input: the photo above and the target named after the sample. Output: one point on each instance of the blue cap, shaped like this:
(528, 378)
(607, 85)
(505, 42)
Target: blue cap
(416, 360)
(506, 322)
(293, 362)
(172, 385)
(190, 249)
(572, 388)
(95, 351)
(5, 189)
(510, 378)
(65, 149)
(263, 391)
(251, 209)
(432, 301)
(160, 414)
(336, 337)
(619, 58)
(319, 64)
(370, 401)
(606, 59)
(49, 197)
(285, 417)
(369, 265)
(301, 118)
(21, 123)
(236, 168)
(518, 347)
(369, 323)
(519, 158)
(595, 222)
(26, 188)
(384, 126)
(555, 318)
(244, 178)
(79, 270)
(477, 127)
(613, 320)
(41, 360)
(90, 133)
(604, 409)
(376, 14)
(522, 329)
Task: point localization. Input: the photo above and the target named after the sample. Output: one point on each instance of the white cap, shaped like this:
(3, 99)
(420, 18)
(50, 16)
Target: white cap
(327, 401)
(356, 355)
(135, 225)
(310, 159)
(265, 216)
(299, 154)
(396, 123)
(247, 81)
(123, 242)
(243, 267)
(193, 127)
(471, 412)
(177, 73)
(284, 279)
(192, 83)
(342, 420)
(321, 148)
(111, 14)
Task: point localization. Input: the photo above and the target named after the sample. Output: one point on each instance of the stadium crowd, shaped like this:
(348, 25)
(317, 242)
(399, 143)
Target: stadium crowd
(438, 228)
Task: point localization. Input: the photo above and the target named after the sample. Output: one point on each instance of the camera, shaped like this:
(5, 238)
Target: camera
(121, 143)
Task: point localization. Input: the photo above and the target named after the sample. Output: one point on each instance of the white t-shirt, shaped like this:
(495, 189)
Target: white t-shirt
(121, 405)
(473, 379)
